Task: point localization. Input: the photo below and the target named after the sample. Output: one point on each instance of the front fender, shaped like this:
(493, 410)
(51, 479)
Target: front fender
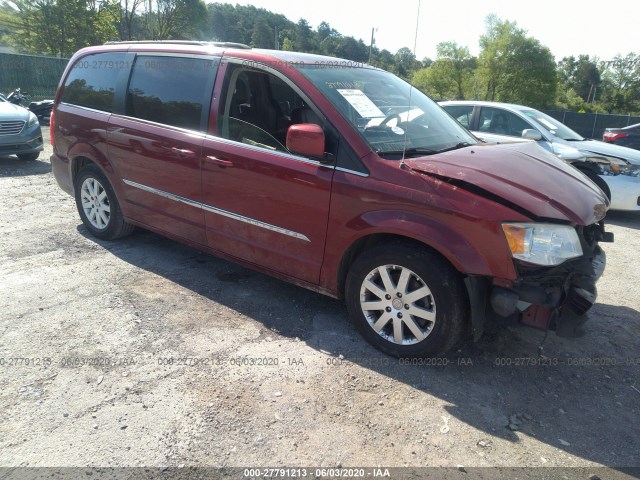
(442, 238)
(472, 245)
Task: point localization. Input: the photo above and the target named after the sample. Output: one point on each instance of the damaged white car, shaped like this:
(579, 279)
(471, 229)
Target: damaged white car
(615, 169)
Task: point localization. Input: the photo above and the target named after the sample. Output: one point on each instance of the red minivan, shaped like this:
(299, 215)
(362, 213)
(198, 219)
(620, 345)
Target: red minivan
(336, 176)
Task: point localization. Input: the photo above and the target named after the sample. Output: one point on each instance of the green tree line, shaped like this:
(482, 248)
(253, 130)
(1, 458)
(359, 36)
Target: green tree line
(511, 66)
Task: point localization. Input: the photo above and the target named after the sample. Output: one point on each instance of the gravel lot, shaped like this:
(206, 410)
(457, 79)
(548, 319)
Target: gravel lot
(144, 352)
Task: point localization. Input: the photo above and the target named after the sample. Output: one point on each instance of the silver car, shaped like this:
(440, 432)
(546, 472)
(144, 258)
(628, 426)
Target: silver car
(615, 169)
(20, 132)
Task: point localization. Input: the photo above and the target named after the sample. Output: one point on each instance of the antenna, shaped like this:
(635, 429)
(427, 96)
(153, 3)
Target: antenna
(415, 41)
(415, 44)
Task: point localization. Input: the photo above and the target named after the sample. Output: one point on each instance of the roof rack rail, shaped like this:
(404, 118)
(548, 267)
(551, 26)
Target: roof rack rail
(185, 42)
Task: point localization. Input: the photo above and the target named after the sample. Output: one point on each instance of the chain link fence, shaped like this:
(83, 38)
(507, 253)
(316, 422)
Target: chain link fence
(592, 125)
(35, 75)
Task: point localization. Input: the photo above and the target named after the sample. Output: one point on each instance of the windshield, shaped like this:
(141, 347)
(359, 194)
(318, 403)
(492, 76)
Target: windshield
(551, 125)
(392, 116)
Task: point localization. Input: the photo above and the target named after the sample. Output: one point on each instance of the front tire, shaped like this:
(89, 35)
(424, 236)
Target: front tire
(98, 206)
(595, 178)
(406, 301)
(29, 157)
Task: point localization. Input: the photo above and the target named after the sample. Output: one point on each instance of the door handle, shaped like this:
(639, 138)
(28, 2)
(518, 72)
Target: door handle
(183, 152)
(220, 162)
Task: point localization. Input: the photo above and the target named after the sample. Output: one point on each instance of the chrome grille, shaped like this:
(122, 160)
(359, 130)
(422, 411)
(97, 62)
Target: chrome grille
(11, 128)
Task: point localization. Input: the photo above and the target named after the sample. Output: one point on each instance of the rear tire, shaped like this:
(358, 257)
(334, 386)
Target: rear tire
(98, 206)
(406, 301)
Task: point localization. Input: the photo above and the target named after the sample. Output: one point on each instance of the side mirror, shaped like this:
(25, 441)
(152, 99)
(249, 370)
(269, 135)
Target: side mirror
(531, 134)
(306, 139)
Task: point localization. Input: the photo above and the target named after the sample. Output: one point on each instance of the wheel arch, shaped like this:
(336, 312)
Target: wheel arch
(82, 154)
(447, 290)
(369, 241)
(592, 170)
(426, 232)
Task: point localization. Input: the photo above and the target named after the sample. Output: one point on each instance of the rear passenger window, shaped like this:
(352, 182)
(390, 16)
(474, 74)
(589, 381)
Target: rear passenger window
(172, 90)
(92, 81)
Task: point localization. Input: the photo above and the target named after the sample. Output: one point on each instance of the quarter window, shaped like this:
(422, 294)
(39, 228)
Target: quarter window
(172, 90)
(92, 80)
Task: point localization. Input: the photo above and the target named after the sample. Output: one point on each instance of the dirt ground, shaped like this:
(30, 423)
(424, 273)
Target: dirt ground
(144, 352)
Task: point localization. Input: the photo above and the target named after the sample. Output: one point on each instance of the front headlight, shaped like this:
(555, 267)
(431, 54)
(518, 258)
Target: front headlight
(32, 120)
(613, 168)
(542, 243)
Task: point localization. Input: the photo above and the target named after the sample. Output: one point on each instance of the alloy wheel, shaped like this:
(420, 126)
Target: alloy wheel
(397, 304)
(95, 203)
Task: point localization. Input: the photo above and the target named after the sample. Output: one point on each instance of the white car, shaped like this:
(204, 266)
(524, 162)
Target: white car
(615, 169)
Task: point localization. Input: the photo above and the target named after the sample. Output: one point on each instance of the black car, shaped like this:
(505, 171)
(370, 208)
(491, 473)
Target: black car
(626, 137)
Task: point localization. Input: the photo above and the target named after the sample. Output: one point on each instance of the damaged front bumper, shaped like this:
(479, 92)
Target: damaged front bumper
(554, 298)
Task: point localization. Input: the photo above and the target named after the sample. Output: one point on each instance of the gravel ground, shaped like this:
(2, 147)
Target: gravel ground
(144, 352)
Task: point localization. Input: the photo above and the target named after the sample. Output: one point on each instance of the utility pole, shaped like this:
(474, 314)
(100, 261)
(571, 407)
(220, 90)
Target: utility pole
(371, 45)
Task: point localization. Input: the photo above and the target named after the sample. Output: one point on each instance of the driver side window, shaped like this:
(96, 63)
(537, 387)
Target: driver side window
(462, 113)
(259, 108)
(501, 122)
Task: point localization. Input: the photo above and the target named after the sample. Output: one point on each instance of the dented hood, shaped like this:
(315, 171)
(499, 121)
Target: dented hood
(522, 175)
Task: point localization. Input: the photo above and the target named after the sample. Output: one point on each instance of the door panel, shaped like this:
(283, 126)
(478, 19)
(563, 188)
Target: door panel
(156, 140)
(266, 207)
(160, 169)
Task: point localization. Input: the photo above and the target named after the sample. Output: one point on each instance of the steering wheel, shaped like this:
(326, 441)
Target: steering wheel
(390, 117)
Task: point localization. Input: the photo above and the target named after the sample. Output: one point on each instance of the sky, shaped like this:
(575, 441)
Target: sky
(566, 27)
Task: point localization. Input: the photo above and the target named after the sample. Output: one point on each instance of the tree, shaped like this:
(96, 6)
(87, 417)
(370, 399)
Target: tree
(60, 27)
(383, 59)
(620, 89)
(405, 62)
(450, 75)
(515, 68)
(262, 36)
(458, 65)
(223, 23)
(287, 45)
(324, 31)
(426, 62)
(129, 16)
(433, 81)
(581, 76)
(303, 37)
(352, 49)
(177, 19)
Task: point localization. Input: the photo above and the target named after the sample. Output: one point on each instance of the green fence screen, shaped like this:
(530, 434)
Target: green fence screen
(592, 125)
(35, 75)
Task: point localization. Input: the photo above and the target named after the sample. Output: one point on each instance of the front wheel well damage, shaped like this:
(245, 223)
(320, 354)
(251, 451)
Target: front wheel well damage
(370, 241)
(587, 165)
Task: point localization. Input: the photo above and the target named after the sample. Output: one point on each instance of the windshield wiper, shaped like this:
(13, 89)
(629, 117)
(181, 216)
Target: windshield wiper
(416, 151)
(420, 151)
(574, 139)
(455, 147)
